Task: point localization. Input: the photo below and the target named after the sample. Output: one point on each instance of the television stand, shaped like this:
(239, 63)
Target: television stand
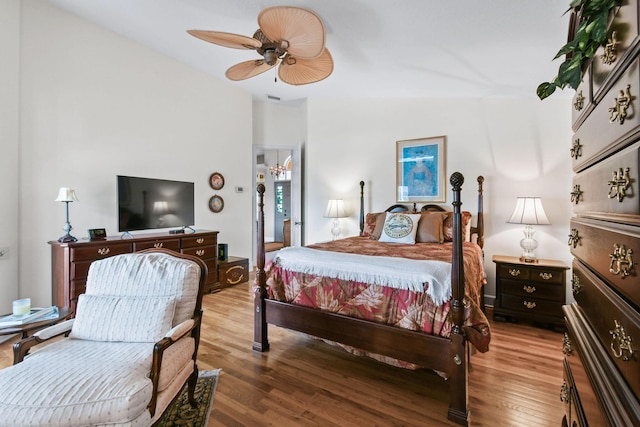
(70, 261)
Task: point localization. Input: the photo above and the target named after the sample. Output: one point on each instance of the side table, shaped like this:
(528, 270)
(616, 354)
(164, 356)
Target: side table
(530, 291)
(24, 330)
(232, 271)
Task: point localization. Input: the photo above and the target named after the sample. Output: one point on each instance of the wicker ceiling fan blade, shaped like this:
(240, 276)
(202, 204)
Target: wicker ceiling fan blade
(248, 69)
(296, 71)
(301, 28)
(235, 41)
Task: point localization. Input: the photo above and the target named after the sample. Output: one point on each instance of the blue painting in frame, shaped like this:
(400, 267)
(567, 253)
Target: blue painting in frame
(420, 170)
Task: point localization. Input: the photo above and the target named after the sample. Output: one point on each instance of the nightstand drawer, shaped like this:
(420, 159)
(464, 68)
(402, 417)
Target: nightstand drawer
(233, 271)
(533, 306)
(508, 271)
(528, 288)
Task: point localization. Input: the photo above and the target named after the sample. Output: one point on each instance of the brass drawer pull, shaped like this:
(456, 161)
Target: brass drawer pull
(529, 289)
(579, 104)
(576, 287)
(530, 305)
(566, 345)
(232, 272)
(514, 272)
(576, 149)
(200, 252)
(104, 251)
(621, 261)
(158, 245)
(574, 238)
(564, 392)
(610, 52)
(621, 346)
(200, 240)
(620, 105)
(576, 194)
(544, 275)
(619, 184)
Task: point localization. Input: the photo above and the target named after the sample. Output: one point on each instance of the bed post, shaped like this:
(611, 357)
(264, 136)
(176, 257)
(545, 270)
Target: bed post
(260, 339)
(361, 207)
(480, 223)
(459, 371)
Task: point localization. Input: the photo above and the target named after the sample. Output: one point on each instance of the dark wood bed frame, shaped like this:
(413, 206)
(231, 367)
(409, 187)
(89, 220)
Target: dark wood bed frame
(448, 355)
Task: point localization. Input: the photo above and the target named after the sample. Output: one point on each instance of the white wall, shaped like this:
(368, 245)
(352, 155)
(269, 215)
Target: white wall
(95, 105)
(520, 146)
(9, 135)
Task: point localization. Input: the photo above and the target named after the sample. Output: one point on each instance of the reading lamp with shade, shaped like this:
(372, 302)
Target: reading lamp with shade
(529, 211)
(335, 210)
(66, 195)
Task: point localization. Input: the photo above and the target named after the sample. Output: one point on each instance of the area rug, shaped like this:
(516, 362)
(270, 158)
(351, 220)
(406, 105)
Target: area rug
(180, 413)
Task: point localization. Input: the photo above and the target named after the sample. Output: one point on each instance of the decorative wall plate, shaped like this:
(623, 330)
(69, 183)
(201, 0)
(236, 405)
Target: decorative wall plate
(216, 181)
(216, 204)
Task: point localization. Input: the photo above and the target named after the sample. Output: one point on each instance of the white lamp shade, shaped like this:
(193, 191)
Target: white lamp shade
(65, 194)
(335, 209)
(529, 210)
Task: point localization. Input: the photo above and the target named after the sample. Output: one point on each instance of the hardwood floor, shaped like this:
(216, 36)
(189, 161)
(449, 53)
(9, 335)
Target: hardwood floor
(303, 381)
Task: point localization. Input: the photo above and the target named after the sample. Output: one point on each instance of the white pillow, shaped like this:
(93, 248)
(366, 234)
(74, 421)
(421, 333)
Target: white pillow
(130, 319)
(400, 228)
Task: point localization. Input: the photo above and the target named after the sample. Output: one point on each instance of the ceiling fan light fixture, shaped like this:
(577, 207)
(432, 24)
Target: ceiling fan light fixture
(271, 57)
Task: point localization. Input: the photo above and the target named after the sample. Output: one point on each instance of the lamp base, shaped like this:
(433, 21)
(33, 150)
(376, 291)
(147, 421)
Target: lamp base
(67, 238)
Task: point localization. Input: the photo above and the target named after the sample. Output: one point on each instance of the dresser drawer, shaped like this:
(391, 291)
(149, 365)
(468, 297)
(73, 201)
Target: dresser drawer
(171, 244)
(601, 188)
(607, 248)
(525, 288)
(233, 271)
(508, 271)
(612, 320)
(600, 135)
(532, 305)
(197, 241)
(98, 252)
(79, 270)
(204, 252)
(605, 61)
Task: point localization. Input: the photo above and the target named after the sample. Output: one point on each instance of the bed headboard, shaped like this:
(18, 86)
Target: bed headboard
(478, 229)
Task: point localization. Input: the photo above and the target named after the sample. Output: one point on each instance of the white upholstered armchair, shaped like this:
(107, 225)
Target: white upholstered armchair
(130, 349)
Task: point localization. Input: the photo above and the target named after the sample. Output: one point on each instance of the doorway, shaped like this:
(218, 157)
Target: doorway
(280, 171)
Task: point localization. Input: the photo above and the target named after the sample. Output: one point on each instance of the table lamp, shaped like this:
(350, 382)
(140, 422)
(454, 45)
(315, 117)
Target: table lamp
(335, 210)
(66, 195)
(529, 211)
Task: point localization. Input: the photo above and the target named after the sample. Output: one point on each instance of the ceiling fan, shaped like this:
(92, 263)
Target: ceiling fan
(290, 36)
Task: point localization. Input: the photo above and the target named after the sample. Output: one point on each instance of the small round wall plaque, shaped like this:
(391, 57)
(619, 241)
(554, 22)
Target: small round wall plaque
(216, 204)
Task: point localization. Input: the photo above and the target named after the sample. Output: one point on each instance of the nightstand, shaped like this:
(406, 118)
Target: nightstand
(530, 291)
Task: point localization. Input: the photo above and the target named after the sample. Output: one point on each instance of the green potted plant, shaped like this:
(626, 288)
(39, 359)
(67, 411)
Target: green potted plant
(593, 18)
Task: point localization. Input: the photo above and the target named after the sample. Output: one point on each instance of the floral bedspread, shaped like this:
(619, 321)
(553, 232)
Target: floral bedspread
(398, 307)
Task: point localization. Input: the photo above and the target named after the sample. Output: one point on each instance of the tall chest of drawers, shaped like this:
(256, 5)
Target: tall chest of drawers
(602, 345)
(70, 261)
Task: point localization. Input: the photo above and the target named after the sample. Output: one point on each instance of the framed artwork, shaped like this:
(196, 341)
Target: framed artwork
(216, 204)
(216, 181)
(420, 174)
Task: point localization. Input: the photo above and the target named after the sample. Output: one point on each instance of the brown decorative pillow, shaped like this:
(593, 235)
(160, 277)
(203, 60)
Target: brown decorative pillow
(377, 231)
(430, 227)
(448, 226)
(369, 224)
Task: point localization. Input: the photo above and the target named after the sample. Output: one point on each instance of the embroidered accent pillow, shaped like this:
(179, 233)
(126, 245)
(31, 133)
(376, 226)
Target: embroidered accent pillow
(128, 319)
(400, 228)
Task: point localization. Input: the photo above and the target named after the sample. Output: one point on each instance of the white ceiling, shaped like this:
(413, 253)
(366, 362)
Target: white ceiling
(381, 48)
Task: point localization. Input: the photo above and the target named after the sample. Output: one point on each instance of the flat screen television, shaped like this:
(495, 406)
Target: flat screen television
(147, 203)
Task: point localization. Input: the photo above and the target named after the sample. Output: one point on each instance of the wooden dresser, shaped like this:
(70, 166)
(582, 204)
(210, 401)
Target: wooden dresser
(70, 261)
(602, 345)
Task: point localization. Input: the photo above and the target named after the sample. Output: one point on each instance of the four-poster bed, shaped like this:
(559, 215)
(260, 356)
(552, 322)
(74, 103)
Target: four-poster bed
(442, 345)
